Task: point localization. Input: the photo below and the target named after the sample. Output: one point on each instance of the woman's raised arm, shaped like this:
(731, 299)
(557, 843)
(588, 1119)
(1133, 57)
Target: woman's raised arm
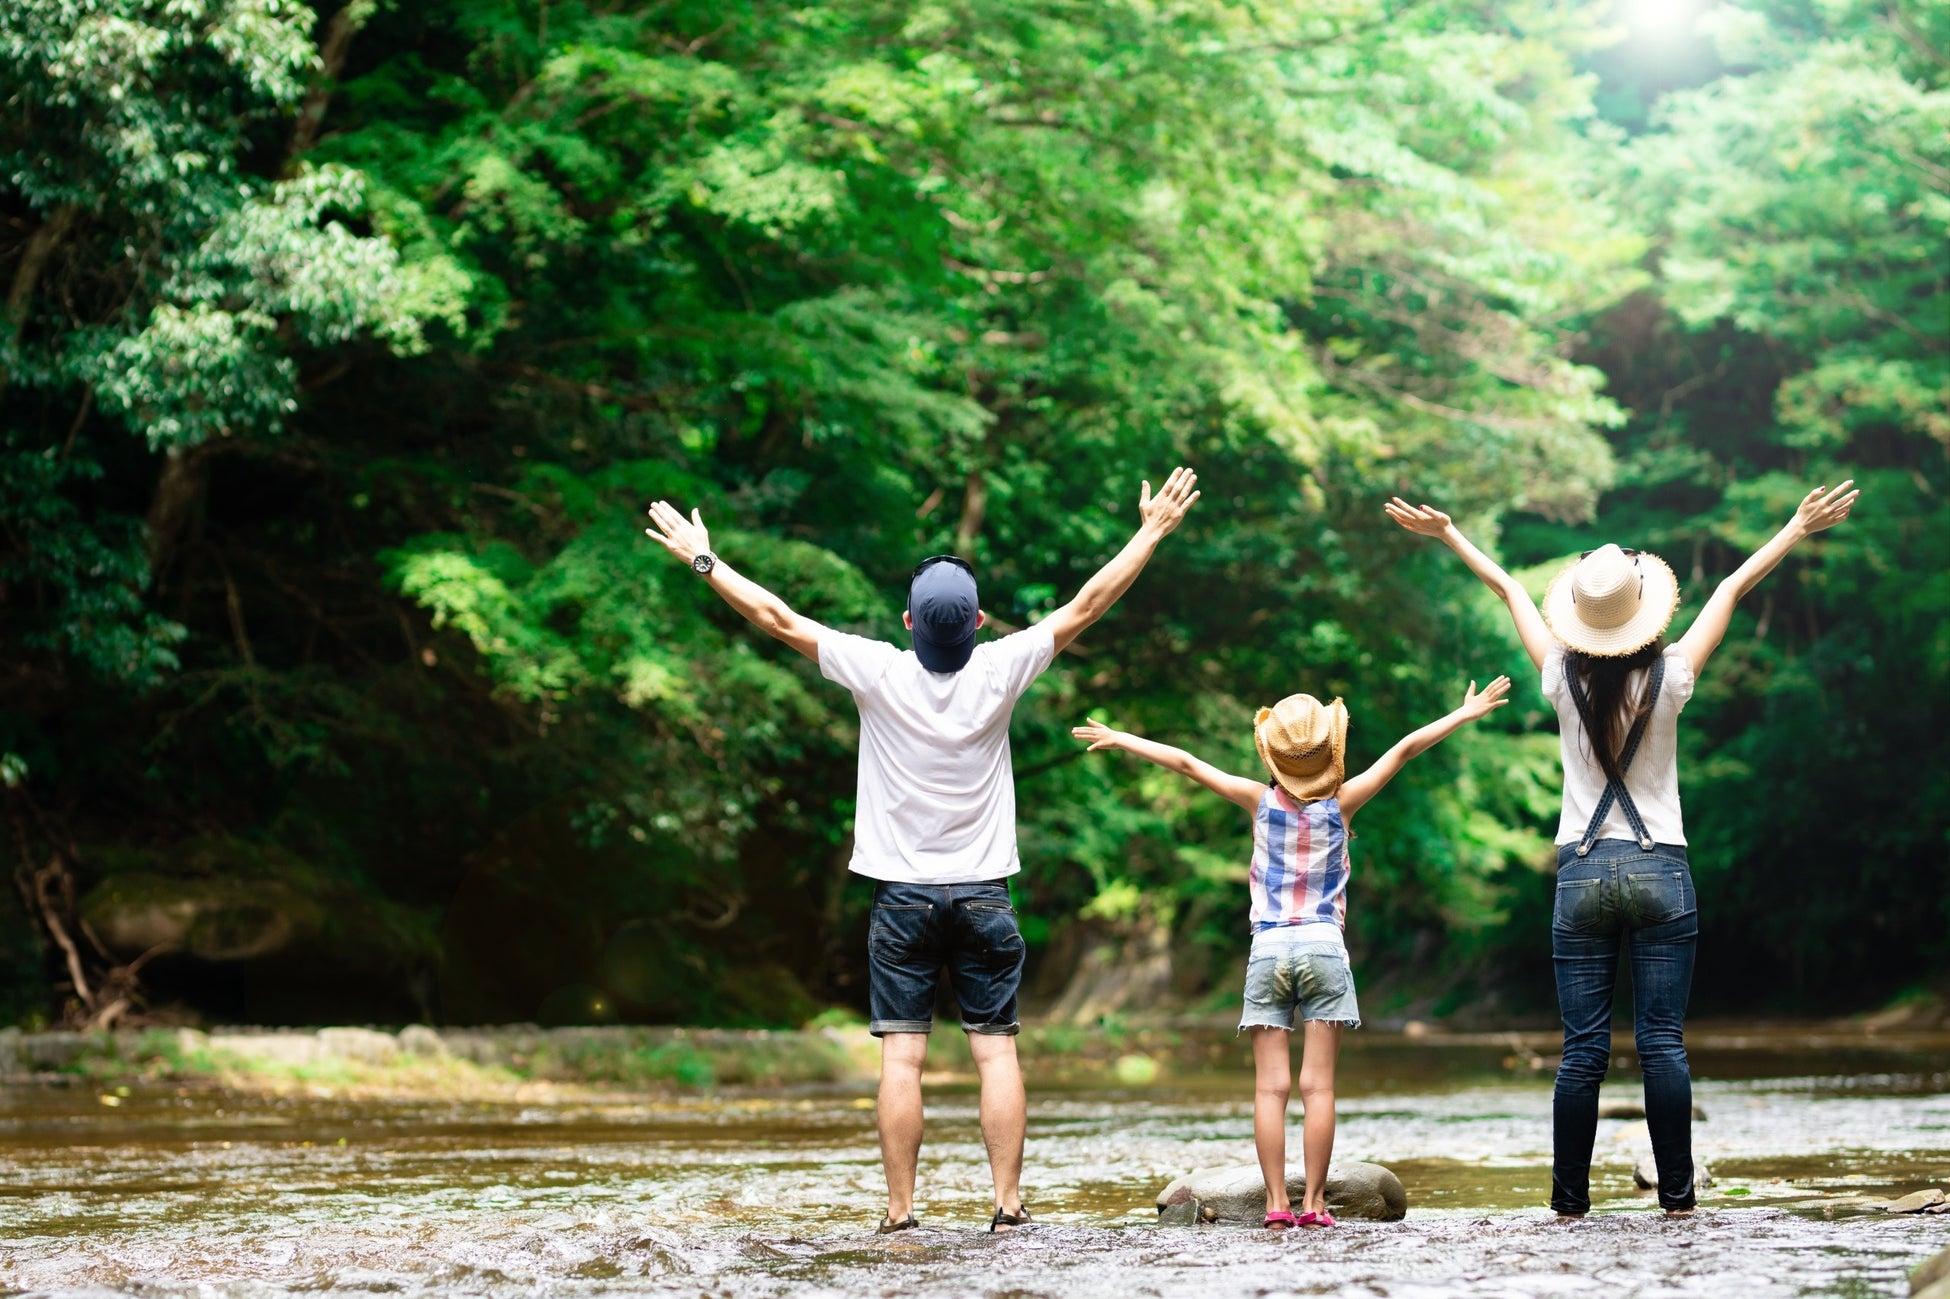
(1428, 521)
(1819, 510)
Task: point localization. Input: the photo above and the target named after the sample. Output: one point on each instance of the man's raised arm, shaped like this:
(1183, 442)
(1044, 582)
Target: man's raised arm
(1158, 515)
(687, 539)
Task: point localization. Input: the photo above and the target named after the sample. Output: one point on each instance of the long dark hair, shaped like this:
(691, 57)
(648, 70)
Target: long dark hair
(1614, 706)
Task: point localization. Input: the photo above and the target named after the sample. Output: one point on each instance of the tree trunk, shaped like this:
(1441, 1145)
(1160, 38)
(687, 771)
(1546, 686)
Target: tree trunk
(340, 28)
(974, 504)
(27, 275)
(179, 494)
(832, 935)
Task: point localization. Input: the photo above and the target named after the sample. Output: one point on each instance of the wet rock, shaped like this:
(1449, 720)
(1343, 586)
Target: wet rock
(1645, 1175)
(1238, 1194)
(1930, 1271)
(1631, 1109)
(418, 1039)
(50, 1052)
(272, 1048)
(363, 1045)
(1917, 1201)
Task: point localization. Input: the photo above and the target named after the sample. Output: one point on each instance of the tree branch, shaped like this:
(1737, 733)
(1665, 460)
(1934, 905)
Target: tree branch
(340, 28)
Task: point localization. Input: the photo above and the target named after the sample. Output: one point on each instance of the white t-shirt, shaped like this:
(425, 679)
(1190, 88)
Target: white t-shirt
(1652, 780)
(937, 796)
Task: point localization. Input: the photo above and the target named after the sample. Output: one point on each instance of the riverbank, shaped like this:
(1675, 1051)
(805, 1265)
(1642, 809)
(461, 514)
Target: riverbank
(523, 1060)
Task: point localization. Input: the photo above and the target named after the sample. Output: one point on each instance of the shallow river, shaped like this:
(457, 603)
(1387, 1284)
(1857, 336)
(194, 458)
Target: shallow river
(179, 1191)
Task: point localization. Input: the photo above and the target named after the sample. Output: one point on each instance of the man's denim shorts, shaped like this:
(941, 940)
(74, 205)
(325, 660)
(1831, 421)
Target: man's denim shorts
(1297, 967)
(919, 928)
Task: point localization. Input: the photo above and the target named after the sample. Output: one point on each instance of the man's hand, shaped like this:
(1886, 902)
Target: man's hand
(1475, 707)
(1163, 512)
(1822, 509)
(1423, 519)
(1098, 735)
(682, 537)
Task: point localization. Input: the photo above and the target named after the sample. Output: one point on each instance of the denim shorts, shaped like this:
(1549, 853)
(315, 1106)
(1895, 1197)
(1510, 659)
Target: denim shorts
(1291, 969)
(918, 929)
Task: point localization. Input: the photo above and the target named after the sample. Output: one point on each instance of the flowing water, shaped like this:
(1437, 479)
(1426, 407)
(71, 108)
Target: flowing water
(193, 1191)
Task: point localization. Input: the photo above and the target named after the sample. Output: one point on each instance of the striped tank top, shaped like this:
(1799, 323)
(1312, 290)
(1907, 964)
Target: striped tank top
(1300, 862)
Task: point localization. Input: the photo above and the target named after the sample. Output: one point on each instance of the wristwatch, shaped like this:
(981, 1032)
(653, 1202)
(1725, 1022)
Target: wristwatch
(704, 563)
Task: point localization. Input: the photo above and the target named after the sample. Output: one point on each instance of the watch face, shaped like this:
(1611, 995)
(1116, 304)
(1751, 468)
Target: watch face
(702, 563)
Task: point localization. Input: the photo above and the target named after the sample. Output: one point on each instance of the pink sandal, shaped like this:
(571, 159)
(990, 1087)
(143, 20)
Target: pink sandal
(1280, 1220)
(1321, 1219)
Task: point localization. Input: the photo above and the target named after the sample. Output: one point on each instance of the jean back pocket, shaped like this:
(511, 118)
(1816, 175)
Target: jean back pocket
(1579, 904)
(899, 933)
(1655, 897)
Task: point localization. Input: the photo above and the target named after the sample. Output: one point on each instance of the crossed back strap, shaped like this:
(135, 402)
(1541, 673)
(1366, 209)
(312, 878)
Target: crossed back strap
(1615, 789)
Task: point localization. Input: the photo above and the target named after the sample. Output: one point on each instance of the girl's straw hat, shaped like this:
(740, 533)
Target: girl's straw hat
(1303, 743)
(1611, 601)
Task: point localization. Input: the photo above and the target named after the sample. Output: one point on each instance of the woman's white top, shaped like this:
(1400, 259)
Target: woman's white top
(1652, 781)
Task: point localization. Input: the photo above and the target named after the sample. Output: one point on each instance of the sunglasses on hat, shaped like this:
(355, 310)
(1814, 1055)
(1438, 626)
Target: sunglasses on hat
(1626, 551)
(932, 560)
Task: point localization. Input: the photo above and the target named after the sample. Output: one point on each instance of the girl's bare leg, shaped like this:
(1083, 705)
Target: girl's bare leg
(1319, 1054)
(1273, 1082)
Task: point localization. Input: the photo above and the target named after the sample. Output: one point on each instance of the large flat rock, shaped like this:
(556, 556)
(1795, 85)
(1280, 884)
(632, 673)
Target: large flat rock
(1238, 1194)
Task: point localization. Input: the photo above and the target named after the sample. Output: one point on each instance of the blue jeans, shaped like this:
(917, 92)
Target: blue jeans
(917, 929)
(1622, 896)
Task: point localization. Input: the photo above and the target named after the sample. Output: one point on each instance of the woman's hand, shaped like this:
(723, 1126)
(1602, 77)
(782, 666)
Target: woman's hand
(1099, 735)
(1423, 519)
(1822, 509)
(1477, 706)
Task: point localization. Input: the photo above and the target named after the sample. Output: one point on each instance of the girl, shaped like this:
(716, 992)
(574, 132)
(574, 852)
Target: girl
(1622, 876)
(1299, 907)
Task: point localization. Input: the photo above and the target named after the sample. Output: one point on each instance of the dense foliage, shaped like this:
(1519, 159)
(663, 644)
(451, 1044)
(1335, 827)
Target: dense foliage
(344, 348)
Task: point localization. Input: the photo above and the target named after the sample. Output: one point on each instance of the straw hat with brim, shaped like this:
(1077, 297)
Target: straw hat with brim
(1612, 602)
(1304, 744)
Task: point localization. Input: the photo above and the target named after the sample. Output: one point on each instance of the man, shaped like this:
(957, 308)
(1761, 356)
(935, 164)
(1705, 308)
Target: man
(935, 820)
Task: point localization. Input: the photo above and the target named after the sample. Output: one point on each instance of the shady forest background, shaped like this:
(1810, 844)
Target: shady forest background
(345, 345)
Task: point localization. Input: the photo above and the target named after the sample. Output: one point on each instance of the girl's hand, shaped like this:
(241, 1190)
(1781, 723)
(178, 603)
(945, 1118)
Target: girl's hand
(1423, 519)
(1099, 735)
(1494, 696)
(1819, 511)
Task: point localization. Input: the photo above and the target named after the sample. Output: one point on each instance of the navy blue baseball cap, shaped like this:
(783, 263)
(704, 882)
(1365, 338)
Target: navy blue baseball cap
(941, 601)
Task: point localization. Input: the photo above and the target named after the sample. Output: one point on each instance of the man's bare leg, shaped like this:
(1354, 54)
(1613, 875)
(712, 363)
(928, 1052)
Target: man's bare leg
(1004, 1115)
(899, 1114)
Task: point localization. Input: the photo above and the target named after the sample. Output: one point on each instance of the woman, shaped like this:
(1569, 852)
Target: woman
(1622, 875)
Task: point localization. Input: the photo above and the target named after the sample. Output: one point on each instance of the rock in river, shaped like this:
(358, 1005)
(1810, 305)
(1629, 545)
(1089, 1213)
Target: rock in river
(1930, 1271)
(1238, 1194)
(1627, 1109)
(1917, 1201)
(418, 1039)
(1645, 1175)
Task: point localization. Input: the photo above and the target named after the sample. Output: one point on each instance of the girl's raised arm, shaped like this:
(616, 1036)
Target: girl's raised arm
(1356, 792)
(1431, 522)
(1238, 789)
(1819, 509)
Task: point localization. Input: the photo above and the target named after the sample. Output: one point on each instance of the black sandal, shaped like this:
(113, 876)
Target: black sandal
(1003, 1218)
(889, 1227)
